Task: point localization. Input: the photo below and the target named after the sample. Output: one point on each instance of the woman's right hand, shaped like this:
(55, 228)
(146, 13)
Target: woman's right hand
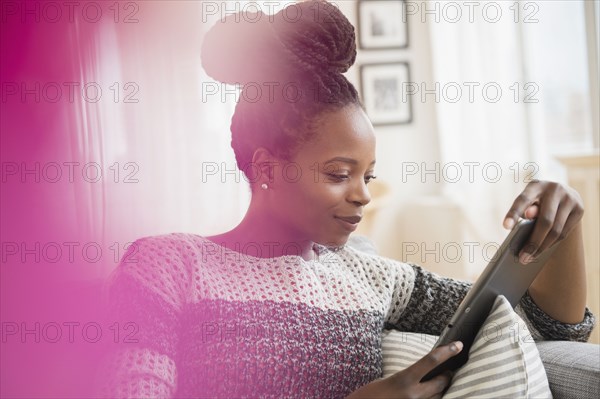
(407, 383)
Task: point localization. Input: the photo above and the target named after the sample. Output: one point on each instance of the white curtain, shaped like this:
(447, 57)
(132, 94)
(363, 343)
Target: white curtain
(154, 131)
(514, 55)
(484, 139)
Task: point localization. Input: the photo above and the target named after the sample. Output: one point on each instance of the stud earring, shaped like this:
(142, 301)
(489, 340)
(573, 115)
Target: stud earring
(264, 186)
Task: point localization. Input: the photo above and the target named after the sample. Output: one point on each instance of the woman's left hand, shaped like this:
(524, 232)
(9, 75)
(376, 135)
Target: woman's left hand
(557, 208)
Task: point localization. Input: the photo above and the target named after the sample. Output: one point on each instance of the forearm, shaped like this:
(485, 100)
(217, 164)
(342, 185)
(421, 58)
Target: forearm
(433, 301)
(560, 288)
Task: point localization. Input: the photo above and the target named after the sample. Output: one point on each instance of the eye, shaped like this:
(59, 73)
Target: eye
(338, 177)
(369, 178)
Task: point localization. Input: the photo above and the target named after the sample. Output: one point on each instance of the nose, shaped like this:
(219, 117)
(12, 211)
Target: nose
(359, 193)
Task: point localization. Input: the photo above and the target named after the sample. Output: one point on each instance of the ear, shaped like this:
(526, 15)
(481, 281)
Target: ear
(264, 163)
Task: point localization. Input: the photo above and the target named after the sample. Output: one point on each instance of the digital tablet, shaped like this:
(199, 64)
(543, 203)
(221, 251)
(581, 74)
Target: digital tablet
(504, 275)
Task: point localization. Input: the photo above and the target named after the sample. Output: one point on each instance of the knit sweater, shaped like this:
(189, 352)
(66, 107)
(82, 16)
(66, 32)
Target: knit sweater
(213, 322)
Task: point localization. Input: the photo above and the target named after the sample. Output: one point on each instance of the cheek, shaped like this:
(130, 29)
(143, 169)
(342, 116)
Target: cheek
(320, 197)
(309, 196)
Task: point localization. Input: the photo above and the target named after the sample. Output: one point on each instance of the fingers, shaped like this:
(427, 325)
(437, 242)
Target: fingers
(528, 197)
(572, 220)
(545, 227)
(435, 386)
(532, 211)
(556, 232)
(559, 211)
(409, 379)
(434, 358)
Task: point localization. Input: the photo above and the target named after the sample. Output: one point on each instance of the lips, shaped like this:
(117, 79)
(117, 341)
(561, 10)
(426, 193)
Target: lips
(348, 223)
(350, 219)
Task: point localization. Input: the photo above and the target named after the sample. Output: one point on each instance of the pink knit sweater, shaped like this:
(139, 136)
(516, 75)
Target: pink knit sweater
(212, 322)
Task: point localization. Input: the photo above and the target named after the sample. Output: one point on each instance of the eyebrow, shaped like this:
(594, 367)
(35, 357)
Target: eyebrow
(346, 160)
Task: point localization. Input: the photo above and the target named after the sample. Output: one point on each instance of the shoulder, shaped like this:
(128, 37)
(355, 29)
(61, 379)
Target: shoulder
(164, 248)
(161, 264)
(171, 240)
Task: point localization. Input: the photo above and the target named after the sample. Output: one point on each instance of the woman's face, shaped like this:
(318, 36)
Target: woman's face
(321, 193)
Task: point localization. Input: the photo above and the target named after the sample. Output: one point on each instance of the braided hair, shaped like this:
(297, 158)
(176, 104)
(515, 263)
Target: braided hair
(289, 66)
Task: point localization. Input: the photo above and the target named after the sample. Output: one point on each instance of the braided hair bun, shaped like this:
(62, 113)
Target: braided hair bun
(307, 45)
(308, 38)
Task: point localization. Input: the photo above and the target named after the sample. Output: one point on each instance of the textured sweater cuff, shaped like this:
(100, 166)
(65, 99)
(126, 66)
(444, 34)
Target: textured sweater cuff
(551, 329)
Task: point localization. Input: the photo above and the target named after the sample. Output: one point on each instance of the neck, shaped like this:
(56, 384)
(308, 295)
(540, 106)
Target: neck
(273, 238)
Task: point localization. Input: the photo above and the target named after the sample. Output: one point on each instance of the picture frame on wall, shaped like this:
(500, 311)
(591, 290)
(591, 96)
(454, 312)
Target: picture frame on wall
(384, 91)
(382, 24)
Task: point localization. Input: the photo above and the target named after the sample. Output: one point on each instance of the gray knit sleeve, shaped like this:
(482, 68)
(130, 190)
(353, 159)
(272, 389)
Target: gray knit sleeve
(544, 327)
(433, 301)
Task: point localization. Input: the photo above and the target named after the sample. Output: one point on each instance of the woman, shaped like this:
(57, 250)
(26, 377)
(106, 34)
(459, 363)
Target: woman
(279, 305)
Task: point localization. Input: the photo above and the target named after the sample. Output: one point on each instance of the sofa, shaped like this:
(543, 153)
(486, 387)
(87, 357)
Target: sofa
(573, 368)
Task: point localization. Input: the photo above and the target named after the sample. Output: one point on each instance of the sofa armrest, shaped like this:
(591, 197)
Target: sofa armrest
(573, 368)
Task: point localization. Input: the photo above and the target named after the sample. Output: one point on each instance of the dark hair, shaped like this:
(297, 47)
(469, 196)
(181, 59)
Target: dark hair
(290, 67)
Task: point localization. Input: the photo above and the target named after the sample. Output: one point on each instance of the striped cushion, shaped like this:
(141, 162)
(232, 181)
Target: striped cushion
(503, 360)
